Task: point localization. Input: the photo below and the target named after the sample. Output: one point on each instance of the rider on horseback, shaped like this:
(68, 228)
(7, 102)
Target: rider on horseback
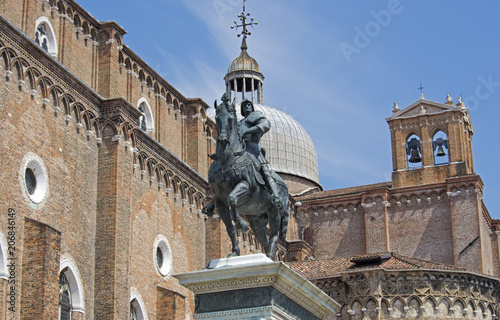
(252, 127)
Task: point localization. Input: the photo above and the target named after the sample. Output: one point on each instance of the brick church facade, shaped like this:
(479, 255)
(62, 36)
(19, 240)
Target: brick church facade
(104, 179)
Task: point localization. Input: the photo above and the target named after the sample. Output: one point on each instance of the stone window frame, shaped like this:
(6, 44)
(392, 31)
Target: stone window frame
(51, 36)
(34, 163)
(162, 243)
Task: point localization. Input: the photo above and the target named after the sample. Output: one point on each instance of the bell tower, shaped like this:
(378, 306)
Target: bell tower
(431, 142)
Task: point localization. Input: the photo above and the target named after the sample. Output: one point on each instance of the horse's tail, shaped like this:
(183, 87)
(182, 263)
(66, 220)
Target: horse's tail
(285, 213)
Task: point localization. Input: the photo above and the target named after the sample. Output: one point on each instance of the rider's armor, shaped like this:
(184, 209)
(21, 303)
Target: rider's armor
(258, 119)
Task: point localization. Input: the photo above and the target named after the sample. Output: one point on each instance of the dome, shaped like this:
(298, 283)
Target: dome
(289, 149)
(244, 62)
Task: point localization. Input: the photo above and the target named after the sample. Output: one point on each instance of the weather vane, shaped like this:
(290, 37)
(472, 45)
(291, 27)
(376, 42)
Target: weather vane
(244, 24)
(421, 88)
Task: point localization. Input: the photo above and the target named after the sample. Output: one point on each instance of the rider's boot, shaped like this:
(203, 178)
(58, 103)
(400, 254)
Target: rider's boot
(266, 172)
(209, 209)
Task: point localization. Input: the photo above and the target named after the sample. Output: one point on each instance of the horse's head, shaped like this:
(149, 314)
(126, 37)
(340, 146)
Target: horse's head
(226, 120)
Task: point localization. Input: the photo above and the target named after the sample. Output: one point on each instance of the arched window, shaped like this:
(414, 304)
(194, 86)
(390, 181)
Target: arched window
(414, 152)
(65, 306)
(70, 290)
(440, 148)
(133, 312)
(145, 122)
(308, 236)
(4, 274)
(45, 36)
(137, 311)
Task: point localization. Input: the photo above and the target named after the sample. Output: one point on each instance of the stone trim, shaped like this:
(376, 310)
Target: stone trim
(268, 312)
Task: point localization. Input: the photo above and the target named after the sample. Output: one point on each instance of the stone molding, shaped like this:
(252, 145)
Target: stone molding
(261, 273)
(268, 312)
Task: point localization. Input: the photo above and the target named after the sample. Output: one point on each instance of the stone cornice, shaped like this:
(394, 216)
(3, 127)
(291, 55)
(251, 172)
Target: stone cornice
(132, 55)
(261, 274)
(268, 312)
(443, 107)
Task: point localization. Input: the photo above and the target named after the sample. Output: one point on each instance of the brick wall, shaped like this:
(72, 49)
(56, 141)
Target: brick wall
(40, 277)
(439, 222)
(170, 305)
(3, 296)
(421, 228)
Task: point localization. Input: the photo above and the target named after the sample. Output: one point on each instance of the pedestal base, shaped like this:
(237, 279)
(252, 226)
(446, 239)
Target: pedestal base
(254, 287)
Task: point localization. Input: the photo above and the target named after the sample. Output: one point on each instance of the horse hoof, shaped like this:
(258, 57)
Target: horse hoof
(233, 254)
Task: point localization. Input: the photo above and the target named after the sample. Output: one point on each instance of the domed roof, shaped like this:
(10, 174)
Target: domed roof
(244, 61)
(289, 149)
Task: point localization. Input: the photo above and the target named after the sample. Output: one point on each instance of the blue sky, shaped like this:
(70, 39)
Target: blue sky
(341, 97)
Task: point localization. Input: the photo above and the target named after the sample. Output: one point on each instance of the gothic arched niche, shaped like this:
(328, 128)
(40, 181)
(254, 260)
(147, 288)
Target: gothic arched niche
(414, 151)
(308, 236)
(45, 36)
(440, 148)
(145, 122)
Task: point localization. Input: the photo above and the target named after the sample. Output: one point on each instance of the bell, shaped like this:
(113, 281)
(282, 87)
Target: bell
(440, 152)
(415, 156)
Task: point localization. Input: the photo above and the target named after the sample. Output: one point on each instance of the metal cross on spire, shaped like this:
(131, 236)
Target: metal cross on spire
(244, 16)
(421, 88)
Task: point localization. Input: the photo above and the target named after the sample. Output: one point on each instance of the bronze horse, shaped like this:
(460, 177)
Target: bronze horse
(236, 189)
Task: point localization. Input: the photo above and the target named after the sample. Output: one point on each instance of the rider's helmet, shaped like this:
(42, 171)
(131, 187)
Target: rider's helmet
(244, 102)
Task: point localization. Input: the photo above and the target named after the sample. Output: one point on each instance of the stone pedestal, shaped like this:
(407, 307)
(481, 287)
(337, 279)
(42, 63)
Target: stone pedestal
(254, 287)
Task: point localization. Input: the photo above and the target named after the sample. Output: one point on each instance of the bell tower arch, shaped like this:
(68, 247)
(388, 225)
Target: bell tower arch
(430, 142)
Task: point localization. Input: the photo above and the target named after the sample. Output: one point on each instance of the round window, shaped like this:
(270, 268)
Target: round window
(30, 181)
(35, 180)
(159, 258)
(163, 255)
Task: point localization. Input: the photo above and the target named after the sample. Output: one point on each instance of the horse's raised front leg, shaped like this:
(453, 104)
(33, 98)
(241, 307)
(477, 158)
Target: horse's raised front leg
(242, 189)
(225, 215)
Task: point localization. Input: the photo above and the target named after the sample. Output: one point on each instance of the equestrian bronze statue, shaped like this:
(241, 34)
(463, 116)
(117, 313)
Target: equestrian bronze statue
(241, 181)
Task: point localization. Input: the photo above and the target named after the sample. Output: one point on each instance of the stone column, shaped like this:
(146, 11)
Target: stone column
(235, 90)
(244, 91)
(261, 94)
(253, 91)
